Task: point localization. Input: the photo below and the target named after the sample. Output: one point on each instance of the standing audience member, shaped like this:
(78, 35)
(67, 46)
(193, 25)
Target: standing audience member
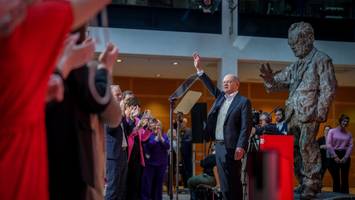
(31, 37)
(116, 153)
(156, 161)
(135, 131)
(186, 151)
(340, 145)
(323, 150)
(228, 123)
(281, 124)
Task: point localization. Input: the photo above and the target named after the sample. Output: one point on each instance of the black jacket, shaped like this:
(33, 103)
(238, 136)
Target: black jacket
(238, 122)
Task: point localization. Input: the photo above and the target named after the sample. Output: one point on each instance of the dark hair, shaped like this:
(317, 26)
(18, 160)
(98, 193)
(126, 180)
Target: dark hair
(267, 115)
(125, 93)
(282, 112)
(133, 101)
(342, 117)
(256, 116)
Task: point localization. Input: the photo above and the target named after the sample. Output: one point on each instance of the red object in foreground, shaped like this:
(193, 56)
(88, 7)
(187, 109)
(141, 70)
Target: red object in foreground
(284, 147)
(27, 59)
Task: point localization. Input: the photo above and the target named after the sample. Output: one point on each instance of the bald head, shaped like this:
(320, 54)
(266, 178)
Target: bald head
(230, 83)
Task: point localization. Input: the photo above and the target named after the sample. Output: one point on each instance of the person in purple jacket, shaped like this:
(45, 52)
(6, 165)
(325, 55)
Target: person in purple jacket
(340, 144)
(156, 160)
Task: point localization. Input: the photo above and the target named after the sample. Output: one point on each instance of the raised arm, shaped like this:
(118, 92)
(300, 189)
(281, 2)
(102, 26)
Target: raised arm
(203, 76)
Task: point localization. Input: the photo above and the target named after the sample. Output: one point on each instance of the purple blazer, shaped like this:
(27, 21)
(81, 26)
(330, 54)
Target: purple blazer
(156, 152)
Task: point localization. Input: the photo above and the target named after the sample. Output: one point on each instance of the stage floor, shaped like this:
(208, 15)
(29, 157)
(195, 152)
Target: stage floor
(321, 196)
(330, 196)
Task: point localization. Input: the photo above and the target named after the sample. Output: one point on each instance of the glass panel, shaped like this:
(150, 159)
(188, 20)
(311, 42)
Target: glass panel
(335, 9)
(186, 4)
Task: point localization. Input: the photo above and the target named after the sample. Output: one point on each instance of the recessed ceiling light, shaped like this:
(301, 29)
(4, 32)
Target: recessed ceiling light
(175, 63)
(119, 60)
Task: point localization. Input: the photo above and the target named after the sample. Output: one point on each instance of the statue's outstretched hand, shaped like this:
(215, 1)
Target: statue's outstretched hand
(266, 72)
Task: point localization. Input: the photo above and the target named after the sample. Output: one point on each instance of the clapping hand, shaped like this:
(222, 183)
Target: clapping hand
(75, 55)
(108, 57)
(134, 112)
(343, 160)
(266, 72)
(143, 122)
(337, 160)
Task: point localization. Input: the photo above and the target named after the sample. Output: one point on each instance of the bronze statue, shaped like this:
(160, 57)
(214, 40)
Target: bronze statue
(311, 84)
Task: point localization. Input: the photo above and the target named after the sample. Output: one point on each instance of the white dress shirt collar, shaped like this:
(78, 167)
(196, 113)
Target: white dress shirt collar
(231, 96)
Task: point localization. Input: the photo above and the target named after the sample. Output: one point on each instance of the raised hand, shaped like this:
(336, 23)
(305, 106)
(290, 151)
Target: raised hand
(75, 55)
(109, 56)
(197, 63)
(135, 112)
(266, 72)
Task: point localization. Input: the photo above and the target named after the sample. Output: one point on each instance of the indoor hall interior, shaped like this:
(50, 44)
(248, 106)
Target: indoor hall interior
(154, 78)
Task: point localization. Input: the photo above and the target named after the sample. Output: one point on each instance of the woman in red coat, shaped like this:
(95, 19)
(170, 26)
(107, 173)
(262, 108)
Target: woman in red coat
(31, 36)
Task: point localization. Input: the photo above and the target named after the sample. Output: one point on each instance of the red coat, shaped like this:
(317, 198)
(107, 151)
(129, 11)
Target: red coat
(27, 58)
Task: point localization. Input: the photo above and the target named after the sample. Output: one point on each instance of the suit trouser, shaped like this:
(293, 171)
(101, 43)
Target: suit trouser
(116, 175)
(152, 182)
(229, 171)
(307, 163)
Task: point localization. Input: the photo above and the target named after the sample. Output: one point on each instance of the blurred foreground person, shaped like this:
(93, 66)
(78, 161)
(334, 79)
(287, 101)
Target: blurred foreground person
(75, 126)
(31, 37)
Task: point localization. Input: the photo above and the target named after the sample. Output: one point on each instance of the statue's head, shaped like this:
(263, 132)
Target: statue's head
(301, 38)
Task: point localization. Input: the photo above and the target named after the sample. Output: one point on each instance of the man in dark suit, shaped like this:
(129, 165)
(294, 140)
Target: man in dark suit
(229, 123)
(116, 153)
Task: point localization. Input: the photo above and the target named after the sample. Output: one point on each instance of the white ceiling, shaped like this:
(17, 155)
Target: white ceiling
(163, 67)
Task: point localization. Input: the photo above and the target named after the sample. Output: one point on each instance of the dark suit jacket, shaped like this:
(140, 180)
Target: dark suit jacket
(113, 141)
(238, 122)
(283, 128)
(114, 138)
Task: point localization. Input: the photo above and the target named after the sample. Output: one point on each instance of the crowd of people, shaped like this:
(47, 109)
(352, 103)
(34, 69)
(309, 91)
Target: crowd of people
(67, 131)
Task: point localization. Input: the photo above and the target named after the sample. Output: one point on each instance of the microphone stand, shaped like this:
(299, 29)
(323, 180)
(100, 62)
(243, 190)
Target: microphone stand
(179, 92)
